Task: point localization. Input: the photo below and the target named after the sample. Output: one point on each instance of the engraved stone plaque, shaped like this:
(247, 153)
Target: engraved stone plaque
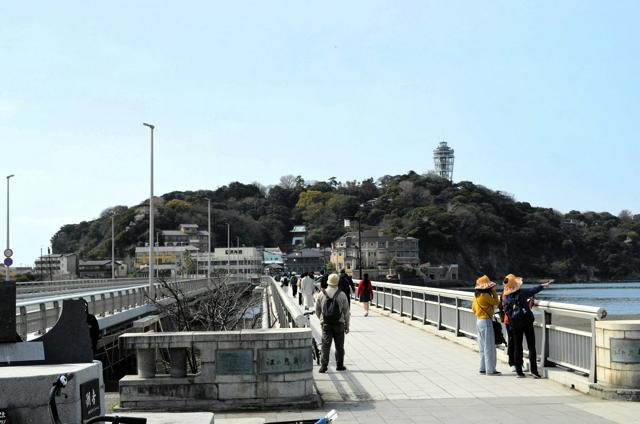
(285, 360)
(625, 350)
(7, 312)
(234, 361)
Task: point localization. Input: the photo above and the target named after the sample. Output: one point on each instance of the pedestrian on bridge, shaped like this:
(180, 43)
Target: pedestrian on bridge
(484, 301)
(332, 307)
(516, 305)
(365, 293)
(308, 288)
(294, 284)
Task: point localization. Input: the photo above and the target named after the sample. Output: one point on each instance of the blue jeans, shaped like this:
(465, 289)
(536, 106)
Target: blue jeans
(486, 345)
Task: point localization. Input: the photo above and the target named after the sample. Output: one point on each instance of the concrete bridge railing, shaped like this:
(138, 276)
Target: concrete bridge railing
(236, 370)
(117, 305)
(573, 348)
(286, 313)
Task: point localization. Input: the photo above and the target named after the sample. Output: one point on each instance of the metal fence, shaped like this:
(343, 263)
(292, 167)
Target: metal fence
(286, 312)
(451, 310)
(35, 316)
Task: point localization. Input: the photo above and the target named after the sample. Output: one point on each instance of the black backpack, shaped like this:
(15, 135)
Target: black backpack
(519, 314)
(331, 309)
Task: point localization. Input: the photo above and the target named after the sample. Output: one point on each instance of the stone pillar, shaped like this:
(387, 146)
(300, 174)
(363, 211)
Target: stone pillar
(178, 362)
(146, 359)
(618, 354)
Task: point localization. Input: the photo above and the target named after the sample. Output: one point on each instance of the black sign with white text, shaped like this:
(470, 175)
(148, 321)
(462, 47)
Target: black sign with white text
(4, 417)
(90, 399)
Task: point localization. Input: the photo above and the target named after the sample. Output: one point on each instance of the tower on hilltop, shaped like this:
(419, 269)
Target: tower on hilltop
(443, 160)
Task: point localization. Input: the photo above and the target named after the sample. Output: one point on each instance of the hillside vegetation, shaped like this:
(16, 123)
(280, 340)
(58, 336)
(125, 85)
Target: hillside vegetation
(482, 230)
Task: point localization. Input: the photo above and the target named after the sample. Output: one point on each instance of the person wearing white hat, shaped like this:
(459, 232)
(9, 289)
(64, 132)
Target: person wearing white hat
(484, 301)
(332, 307)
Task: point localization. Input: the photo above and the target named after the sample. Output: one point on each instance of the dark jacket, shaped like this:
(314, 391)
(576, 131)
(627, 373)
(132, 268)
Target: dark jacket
(521, 298)
(346, 285)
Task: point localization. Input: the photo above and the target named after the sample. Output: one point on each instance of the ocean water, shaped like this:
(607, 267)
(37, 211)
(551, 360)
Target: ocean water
(618, 298)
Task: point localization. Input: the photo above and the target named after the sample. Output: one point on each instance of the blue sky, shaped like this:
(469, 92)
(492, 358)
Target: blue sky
(538, 99)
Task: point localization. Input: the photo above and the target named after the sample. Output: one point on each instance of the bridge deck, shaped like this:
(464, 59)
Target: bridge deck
(399, 374)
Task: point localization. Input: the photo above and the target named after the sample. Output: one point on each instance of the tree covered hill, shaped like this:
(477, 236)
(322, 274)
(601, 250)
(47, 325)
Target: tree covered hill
(482, 230)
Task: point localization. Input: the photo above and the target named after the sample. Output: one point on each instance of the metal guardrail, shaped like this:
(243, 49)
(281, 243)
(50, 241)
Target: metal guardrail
(288, 315)
(35, 316)
(450, 310)
(64, 285)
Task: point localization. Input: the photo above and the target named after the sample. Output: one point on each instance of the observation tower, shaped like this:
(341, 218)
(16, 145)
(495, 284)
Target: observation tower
(443, 160)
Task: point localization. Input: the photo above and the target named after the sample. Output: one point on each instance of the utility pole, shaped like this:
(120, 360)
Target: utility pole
(113, 247)
(6, 266)
(209, 241)
(228, 249)
(151, 227)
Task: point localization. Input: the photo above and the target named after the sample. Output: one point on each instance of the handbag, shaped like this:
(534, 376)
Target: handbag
(497, 329)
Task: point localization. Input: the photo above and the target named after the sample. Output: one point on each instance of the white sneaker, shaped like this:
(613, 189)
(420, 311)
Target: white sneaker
(513, 368)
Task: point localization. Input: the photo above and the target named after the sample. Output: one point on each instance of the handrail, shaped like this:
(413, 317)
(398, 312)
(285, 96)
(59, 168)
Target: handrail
(88, 294)
(447, 310)
(285, 305)
(111, 302)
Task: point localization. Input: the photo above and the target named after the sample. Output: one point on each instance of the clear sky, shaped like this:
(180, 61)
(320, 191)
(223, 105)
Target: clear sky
(538, 99)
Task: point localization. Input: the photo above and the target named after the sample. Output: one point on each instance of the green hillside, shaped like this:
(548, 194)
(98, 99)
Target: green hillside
(482, 230)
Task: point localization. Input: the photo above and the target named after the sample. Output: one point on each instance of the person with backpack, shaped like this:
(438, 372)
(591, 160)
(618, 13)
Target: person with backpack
(484, 301)
(517, 307)
(365, 293)
(332, 308)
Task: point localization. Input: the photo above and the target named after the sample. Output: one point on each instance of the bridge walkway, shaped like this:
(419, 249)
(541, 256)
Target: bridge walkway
(397, 373)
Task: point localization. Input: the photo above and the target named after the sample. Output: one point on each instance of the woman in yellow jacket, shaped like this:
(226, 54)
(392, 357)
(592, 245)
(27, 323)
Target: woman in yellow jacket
(484, 302)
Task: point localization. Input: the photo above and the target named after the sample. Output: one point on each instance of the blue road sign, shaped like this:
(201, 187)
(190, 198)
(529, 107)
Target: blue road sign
(8, 261)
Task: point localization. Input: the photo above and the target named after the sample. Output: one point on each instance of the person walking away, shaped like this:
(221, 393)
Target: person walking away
(284, 281)
(346, 284)
(307, 289)
(510, 338)
(484, 300)
(332, 308)
(304, 274)
(365, 293)
(516, 306)
(294, 284)
(323, 279)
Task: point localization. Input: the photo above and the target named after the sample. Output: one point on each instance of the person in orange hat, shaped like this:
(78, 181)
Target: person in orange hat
(484, 301)
(516, 306)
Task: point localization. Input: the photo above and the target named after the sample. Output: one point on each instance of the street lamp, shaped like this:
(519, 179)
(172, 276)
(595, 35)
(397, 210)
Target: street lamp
(347, 224)
(151, 229)
(209, 241)
(113, 247)
(8, 246)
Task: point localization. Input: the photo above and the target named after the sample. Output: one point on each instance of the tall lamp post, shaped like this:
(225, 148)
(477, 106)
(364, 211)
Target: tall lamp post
(113, 246)
(209, 241)
(8, 245)
(151, 227)
(347, 223)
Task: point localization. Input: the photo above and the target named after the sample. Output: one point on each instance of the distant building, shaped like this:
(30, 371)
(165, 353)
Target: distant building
(443, 160)
(168, 260)
(441, 272)
(299, 233)
(235, 260)
(304, 260)
(101, 269)
(273, 260)
(57, 266)
(380, 253)
(186, 235)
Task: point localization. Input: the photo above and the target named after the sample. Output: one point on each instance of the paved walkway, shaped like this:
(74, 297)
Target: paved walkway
(397, 373)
